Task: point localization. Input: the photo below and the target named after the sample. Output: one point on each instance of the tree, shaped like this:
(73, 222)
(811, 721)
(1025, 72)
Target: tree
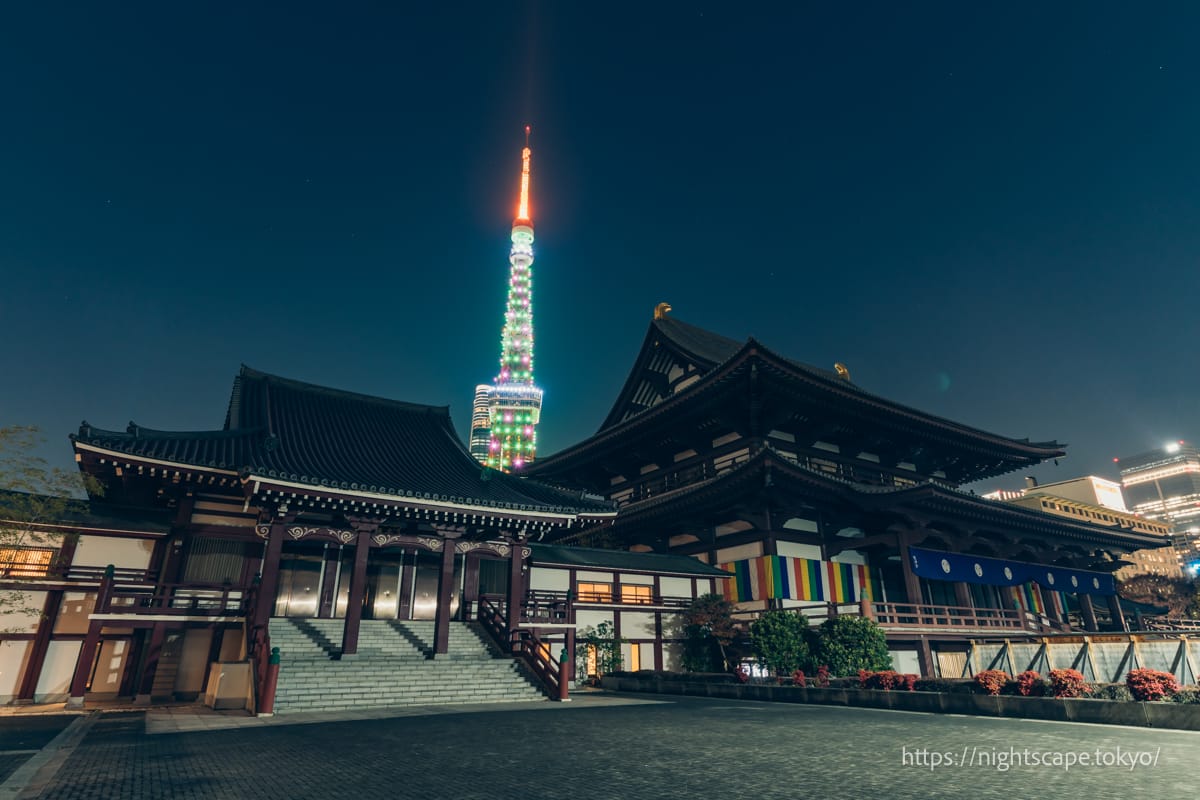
(708, 629)
(1177, 594)
(602, 641)
(847, 644)
(779, 639)
(33, 495)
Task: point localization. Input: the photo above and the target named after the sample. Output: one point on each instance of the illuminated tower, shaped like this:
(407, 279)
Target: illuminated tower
(515, 403)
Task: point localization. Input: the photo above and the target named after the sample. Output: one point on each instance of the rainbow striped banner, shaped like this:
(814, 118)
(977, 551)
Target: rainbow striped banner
(787, 578)
(1030, 599)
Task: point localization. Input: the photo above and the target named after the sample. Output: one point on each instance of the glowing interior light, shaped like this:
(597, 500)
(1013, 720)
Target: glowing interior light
(1173, 447)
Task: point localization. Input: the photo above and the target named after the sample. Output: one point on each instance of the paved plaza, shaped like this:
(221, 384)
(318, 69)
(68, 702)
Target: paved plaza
(618, 746)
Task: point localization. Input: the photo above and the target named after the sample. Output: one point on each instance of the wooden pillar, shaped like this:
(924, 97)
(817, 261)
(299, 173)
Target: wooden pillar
(87, 651)
(268, 586)
(567, 670)
(214, 654)
(441, 627)
(1088, 612)
(912, 583)
(1118, 616)
(658, 627)
(39, 647)
(145, 685)
(408, 574)
(1049, 606)
(962, 595)
(333, 554)
(83, 667)
(358, 585)
(516, 586)
(470, 586)
(912, 590)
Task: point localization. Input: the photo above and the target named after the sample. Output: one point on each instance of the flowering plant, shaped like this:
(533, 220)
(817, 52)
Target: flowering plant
(1150, 684)
(1030, 684)
(823, 677)
(991, 680)
(798, 678)
(1068, 683)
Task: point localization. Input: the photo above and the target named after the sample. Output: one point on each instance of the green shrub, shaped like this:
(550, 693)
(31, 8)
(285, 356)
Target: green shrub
(1111, 691)
(779, 639)
(1190, 695)
(849, 643)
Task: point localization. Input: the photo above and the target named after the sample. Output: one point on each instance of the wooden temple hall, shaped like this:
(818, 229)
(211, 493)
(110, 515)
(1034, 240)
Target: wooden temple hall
(325, 549)
(813, 493)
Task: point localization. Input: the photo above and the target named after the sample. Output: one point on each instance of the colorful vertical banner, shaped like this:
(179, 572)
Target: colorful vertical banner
(787, 578)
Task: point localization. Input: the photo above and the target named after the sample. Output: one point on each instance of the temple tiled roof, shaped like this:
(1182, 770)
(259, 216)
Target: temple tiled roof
(282, 429)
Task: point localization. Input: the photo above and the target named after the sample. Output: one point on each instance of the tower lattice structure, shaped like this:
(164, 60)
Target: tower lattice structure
(515, 402)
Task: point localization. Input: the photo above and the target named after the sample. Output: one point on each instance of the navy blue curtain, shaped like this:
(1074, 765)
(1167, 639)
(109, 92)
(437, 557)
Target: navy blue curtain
(937, 565)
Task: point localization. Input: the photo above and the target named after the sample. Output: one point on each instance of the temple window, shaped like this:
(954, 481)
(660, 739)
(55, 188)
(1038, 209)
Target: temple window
(595, 592)
(26, 562)
(640, 595)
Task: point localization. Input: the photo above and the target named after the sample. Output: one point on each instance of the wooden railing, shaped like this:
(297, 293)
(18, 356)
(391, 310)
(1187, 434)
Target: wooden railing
(57, 571)
(555, 607)
(187, 599)
(525, 645)
(911, 615)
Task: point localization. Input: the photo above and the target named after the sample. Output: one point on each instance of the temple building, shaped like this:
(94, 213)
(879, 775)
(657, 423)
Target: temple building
(314, 516)
(813, 493)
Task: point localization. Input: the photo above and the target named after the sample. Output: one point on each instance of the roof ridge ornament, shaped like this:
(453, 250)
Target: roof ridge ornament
(842, 371)
(660, 310)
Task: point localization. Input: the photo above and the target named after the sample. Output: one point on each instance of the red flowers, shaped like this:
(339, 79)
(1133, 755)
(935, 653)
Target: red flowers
(886, 680)
(991, 680)
(1068, 683)
(1150, 684)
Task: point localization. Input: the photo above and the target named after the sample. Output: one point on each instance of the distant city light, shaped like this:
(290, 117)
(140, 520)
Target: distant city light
(1173, 447)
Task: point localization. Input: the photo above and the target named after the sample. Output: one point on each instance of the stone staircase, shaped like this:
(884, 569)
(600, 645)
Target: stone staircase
(392, 667)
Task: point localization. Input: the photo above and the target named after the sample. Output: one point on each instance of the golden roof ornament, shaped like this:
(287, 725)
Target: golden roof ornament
(842, 372)
(660, 310)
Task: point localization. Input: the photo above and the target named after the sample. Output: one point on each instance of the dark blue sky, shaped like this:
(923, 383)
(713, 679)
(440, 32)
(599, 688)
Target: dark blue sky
(988, 213)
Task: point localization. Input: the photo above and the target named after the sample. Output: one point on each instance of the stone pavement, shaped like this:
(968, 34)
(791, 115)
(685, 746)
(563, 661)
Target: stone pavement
(615, 746)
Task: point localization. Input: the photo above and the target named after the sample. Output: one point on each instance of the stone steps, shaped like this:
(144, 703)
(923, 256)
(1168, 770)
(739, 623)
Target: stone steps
(391, 667)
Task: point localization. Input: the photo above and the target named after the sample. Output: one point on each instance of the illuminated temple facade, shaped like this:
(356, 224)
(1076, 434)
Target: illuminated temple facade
(814, 493)
(331, 526)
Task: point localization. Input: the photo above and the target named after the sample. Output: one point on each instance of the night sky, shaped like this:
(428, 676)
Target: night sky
(990, 214)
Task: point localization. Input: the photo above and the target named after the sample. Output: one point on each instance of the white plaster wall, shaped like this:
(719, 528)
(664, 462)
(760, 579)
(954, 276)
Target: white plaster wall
(193, 660)
(800, 524)
(100, 551)
(678, 587)
(74, 611)
(849, 557)
(54, 684)
(21, 612)
(590, 618)
(12, 664)
(750, 550)
(798, 550)
(906, 661)
(634, 579)
(109, 667)
(637, 625)
(597, 577)
(549, 579)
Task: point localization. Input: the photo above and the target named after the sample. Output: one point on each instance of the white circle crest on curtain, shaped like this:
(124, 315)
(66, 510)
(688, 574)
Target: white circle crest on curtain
(1050, 578)
(1095, 583)
(1007, 574)
(1074, 581)
(945, 566)
(978, 571)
